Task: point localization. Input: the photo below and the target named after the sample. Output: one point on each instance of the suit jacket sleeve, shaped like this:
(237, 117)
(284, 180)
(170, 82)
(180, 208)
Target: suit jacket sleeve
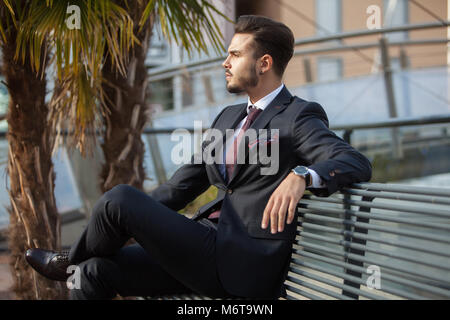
(188, 182)
(334, 160)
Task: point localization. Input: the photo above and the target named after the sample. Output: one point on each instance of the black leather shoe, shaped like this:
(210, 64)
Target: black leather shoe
(51, 264)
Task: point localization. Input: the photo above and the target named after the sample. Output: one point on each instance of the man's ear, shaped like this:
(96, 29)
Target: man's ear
(265, 64)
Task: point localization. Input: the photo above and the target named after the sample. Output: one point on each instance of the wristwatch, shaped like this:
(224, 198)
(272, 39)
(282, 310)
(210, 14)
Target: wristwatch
(303, 172)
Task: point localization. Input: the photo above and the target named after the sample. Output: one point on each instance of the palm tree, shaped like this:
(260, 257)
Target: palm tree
(109, 47)
(105, 86)
(34, 221)
(125, 97)
(30, 32)
(126, 94)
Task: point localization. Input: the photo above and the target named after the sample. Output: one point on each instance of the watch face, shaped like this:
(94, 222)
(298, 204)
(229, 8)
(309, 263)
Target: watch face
(301, 170)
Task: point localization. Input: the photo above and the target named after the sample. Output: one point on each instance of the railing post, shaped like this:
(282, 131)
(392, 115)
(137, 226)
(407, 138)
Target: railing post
(84, 171)
(404, 65)
(387, 71)
(404, 60)
(208, 89)
(307, 69)
(348, 136)
(156, 157)
(350, 239)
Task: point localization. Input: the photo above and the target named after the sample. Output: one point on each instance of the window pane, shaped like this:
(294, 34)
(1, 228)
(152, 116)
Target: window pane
(66, 192)
(396, 14)
(329, 69)
(328, 13)
(161, 93)
(188, 95)
(158, 51)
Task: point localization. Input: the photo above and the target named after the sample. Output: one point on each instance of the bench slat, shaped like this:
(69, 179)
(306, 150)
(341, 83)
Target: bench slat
(397, 243)
(301, 293)
(318, 289)
(402, 281)
(388, 289)
(338, 285)
(428, 191)
(368, 226)
(363, 259)
(428, 211)
(394, 255)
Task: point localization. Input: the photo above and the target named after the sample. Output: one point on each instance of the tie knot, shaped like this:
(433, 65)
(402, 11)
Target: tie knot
(253, 113)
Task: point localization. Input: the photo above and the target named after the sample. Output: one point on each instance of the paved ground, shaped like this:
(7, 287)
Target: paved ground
(6, 280)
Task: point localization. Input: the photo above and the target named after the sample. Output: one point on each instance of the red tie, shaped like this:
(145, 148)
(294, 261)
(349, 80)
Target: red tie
(230, 159)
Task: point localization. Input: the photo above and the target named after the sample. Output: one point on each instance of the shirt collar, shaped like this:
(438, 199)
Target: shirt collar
(265, 101)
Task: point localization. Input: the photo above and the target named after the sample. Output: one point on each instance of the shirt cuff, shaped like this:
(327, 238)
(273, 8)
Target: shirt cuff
(316, 180)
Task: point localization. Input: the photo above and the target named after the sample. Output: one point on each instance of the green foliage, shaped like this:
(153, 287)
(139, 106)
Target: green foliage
(386, 168)
(184, 21)
(107, 30)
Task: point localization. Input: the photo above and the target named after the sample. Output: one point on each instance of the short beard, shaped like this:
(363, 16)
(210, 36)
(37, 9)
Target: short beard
(244, 83)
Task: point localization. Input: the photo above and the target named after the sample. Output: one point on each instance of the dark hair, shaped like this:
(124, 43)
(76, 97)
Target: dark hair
(271, 37)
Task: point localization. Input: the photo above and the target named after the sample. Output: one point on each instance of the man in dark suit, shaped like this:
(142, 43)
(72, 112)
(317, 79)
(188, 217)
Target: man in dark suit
(240, 243)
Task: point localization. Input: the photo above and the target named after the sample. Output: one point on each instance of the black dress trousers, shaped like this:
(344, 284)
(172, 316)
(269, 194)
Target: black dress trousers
(173, 254)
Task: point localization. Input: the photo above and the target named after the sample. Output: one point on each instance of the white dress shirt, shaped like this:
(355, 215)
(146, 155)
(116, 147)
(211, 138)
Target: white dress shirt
(262, 104)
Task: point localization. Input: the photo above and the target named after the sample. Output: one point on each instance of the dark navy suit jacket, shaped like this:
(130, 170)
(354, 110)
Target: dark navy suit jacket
(251, 261)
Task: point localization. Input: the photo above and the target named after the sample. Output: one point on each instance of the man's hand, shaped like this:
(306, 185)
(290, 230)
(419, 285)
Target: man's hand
(284, 198)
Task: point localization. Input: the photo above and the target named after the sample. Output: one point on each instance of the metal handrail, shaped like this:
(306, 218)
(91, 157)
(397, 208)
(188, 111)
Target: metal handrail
(169, 71)
(392, 123)
(412, 121)
(362, 33)
(371, 45)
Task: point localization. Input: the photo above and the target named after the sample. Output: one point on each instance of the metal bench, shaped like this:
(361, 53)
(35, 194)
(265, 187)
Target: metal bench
(371, 241)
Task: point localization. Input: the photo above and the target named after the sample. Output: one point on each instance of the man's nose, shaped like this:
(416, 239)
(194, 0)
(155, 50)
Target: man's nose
(226, 64)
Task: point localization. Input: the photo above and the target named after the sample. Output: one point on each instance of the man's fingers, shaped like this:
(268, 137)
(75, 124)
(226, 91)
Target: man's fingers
(291, 213)
(266, 214)
(282, 214)
(274, 215)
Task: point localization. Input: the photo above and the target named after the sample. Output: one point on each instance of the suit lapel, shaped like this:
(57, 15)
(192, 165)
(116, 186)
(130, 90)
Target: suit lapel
(278, 104)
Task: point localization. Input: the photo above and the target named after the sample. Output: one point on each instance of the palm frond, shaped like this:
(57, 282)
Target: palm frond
(106, 30)
(7, 19)
(189, 22)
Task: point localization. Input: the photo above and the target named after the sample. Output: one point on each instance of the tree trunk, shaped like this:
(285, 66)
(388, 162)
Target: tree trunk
(34, 220)
(126, 99)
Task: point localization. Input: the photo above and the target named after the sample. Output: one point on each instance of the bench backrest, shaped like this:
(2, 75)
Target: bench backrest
(373, 241)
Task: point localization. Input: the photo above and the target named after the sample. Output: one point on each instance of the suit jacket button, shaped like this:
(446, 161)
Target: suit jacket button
(230, 191)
